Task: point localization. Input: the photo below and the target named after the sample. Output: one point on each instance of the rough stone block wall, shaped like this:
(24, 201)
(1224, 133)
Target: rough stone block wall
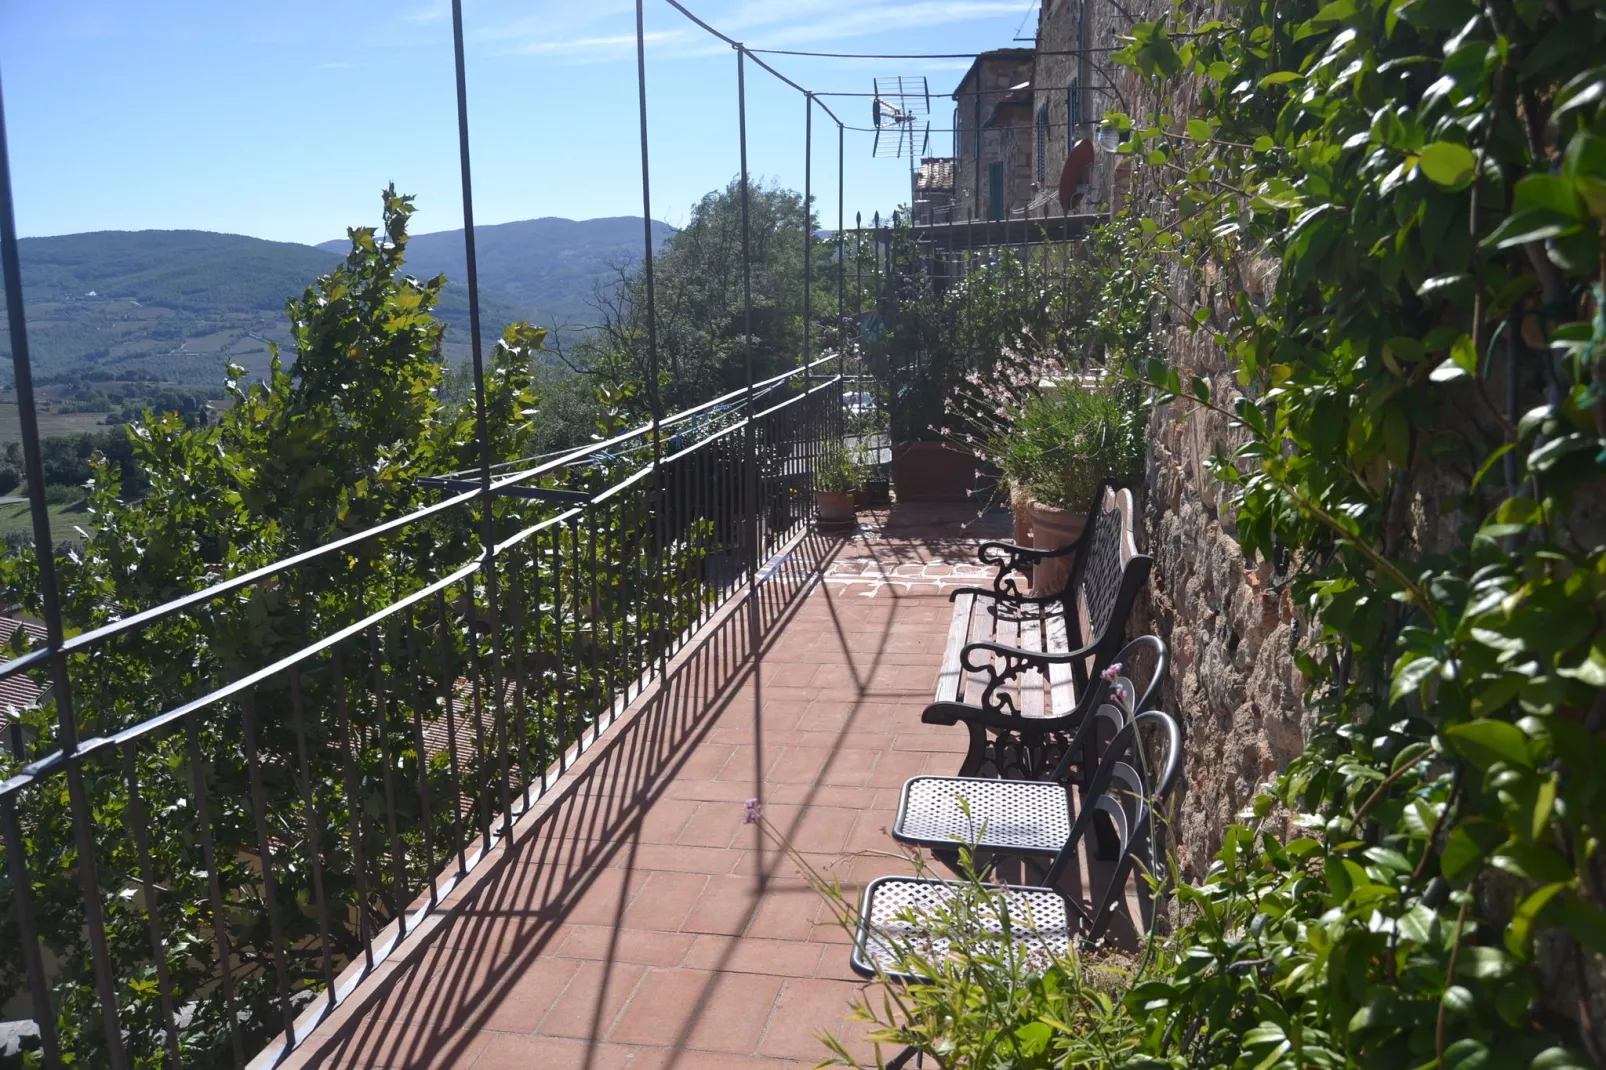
(1232, 632)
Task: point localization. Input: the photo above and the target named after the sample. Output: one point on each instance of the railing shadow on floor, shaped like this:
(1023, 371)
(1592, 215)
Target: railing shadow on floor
(452, 979)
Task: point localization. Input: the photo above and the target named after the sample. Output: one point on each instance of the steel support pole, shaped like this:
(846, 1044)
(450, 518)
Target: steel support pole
(841, 262)
(754, 621)
(50, 605)
(808, 230)
(654, 398)
(858, 263)
(472, 275)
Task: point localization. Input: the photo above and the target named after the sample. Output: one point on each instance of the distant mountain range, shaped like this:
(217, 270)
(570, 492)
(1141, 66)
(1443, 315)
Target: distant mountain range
(173, 304)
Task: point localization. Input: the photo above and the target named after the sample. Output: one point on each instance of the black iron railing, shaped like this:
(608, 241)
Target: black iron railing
(214, 867)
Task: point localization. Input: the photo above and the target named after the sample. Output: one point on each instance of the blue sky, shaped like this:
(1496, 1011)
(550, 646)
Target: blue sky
(283, 120)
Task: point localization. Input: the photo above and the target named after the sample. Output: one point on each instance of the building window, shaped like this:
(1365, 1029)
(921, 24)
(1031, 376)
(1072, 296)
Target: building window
(1073, 109)
(1042, 145)
(995, 190)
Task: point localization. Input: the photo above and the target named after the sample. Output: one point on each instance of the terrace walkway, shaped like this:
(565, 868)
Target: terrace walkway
(635, 921)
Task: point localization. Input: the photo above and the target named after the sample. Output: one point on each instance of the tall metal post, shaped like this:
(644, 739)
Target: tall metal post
(858, 263)
(654, 398)
(754, 620)
(841, 262)
(50, 605)
(471, 274)
(808, 229)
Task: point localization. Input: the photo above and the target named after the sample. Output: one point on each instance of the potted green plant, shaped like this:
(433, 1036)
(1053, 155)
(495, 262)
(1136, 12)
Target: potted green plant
(838, 475)
(1062, 442)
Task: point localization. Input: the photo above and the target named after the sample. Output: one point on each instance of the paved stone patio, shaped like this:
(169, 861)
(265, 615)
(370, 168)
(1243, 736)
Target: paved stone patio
(635, 921)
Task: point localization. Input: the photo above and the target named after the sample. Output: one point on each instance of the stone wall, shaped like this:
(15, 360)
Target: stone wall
(1231, 629)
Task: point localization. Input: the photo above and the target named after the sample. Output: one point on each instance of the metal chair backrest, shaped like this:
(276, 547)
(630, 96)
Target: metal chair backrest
(1132, 683)
(1122, 792)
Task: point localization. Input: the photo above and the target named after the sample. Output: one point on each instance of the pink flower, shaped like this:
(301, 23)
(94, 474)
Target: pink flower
(753, 812)
(1112, 672)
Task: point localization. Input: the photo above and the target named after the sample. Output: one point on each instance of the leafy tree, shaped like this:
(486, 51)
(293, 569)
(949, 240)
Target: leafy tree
(701, 312)
(333, 445)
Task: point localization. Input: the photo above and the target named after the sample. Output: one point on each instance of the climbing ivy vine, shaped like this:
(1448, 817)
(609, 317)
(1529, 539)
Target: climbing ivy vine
(1391, 212)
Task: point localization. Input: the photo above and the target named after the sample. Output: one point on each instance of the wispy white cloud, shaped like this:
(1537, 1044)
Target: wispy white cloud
(433, 11)
(770, 25)
(602, 30)
(604, 47)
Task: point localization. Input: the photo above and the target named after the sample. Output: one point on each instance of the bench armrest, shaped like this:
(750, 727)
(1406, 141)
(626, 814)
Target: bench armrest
(1001, 664)
(1007, 557)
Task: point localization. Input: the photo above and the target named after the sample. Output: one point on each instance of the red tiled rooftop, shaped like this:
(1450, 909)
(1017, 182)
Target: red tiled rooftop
(635, 920)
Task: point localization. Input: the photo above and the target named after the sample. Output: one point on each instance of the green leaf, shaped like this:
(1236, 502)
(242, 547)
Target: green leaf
(1389, 859)
(1411, 675)
(1523, 918)
(1417, 924)
(1200, 130)
(1547, 192)
(1280, 78)
(1536, 224)
(1448, 164)
(1532, 862)
(1586, 923)
(1485, 742)
(1034, 1037)
(1457, 1000)
(1462, 853)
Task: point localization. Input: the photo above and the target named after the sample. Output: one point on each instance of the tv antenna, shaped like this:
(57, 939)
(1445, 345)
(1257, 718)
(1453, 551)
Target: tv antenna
(901, 109)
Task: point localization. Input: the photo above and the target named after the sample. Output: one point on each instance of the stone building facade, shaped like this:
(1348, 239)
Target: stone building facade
(992, 136)
(934, 190)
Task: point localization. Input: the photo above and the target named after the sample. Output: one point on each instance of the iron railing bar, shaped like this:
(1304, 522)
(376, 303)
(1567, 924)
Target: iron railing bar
(449, 691)
(415, 673)
(551, 521)
(314, 838)
(218, 590)
(359, 854)
(153, 914)
(477, 712)
(28, 932)
(214, 883)
(387, 777)
(680, 417)
(270, 889)
(33, 771)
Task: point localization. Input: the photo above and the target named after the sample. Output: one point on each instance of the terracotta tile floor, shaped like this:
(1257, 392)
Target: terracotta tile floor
(635, 921)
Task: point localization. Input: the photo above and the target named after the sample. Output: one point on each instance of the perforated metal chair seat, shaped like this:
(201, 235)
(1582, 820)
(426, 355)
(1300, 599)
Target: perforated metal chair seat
(1022, 816)
(896, 914)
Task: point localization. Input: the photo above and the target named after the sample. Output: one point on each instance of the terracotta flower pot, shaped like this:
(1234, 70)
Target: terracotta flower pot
(834, 508)
(1020, 501)
(1053, 527)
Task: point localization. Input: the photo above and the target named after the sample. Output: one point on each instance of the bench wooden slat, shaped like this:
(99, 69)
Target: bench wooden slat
(950, 687)
(1031, 681)
(985, 627)
(1061, 685)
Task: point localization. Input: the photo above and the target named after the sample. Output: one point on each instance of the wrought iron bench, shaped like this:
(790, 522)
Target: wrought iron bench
(1017, 668)
(1028, 818)
(898, 915)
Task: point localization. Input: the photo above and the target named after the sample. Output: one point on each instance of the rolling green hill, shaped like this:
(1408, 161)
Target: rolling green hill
(550, 265)
(172, 305)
